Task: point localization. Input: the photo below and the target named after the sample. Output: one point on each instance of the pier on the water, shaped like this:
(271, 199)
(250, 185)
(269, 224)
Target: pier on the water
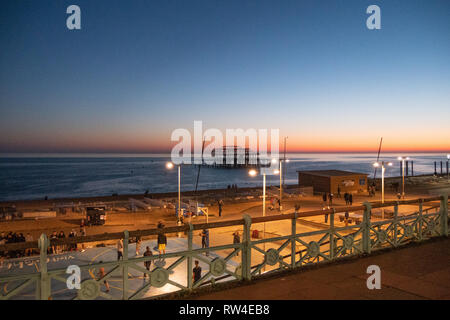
(237, 157)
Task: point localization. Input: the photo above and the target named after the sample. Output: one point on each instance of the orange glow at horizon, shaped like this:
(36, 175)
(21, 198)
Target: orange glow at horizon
(141, 141)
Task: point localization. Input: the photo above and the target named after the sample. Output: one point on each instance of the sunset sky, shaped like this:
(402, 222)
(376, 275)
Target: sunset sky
(137, 70)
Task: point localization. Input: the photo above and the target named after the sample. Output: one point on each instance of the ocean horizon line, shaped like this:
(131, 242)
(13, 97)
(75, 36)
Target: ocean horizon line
(168, 154)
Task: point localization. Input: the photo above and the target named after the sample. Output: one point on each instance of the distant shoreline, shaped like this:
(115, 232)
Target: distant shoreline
(162, 195)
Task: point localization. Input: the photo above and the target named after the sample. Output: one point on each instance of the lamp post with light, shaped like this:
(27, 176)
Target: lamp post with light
(383, 169)
(263, 172)
(170, 165)
(402, 159)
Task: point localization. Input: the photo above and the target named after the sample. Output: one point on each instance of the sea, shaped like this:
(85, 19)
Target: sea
(36, 176)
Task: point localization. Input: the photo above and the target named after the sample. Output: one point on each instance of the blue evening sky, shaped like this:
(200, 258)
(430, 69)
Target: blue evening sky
(139, 69)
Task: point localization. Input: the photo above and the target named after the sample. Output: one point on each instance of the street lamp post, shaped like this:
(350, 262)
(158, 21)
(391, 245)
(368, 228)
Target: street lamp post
(170, 165)
(402, 159)
(383, 169)
(281, 184)
(253, 173)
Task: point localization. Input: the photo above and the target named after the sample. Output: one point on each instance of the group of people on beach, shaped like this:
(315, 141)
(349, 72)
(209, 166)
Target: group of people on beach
(15, 237)
(348, 197)
(56, 249)
(161, 247)
(327, 199)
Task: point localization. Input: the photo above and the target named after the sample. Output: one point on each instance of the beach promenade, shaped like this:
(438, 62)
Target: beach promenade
(278, 242)
(413, 272)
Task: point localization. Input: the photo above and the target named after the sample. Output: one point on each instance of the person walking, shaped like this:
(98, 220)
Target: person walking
(83, 234)
(350, 199)
(162, 242)
(324, 198)
(346, 198)
(346, 218)
(61, 236)
(147, 264)
(196, 272)
(205, 239)
(272, 203)
(138, 245)
(330, 198)
(236, 240)
(53, 237)
(220, 203)
(119, 249)
(72, 246)
(339, 192)
(187, 221)
(101, 275)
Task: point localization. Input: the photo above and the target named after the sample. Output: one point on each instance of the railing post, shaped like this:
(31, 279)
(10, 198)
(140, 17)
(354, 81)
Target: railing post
(189, 257)
(247, 249)
(125, 264)
(444, 215)
(395, 224)
(45, 290)
(366, 228)
(332, 244)
(293, 241)
(419, 233)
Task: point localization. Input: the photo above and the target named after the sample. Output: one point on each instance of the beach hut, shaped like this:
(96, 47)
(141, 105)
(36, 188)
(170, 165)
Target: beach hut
(333, 180)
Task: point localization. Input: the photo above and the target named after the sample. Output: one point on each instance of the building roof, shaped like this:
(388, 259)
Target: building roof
(331, 173)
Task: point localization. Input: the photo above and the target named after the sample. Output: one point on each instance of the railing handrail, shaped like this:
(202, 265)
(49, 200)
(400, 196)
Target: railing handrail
(211, 225)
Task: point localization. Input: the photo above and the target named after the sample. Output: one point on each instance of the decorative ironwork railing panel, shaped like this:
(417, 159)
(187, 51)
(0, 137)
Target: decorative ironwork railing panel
(238, 261)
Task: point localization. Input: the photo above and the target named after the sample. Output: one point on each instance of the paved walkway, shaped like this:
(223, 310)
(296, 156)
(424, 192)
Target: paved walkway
(27, 265)
(416, 272)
